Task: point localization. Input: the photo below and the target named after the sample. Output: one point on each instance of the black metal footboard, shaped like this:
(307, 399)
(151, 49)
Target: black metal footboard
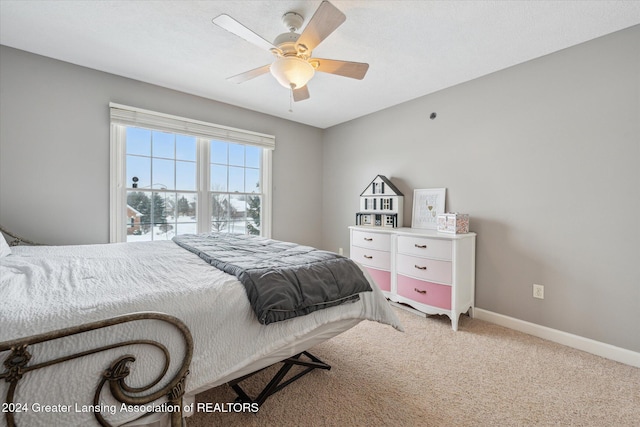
(16, 365)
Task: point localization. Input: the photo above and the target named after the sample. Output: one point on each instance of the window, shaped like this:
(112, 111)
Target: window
(235, 188)
(161, 177)
(171, 175)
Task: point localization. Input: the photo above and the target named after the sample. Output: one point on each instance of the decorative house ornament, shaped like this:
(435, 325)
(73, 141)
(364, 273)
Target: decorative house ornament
(380, 204)
(453, 222)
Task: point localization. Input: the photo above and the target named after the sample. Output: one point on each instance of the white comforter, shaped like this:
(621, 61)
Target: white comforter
(48, 288)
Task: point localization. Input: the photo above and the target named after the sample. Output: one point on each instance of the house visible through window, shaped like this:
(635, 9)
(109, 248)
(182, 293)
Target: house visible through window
(161, 183)
(236, 195)
(202, 178)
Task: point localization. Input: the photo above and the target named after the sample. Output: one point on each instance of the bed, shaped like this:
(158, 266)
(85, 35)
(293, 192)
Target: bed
(176, 299)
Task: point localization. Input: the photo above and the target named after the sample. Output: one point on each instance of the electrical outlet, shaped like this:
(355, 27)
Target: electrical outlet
(340, 251)
(538, 291)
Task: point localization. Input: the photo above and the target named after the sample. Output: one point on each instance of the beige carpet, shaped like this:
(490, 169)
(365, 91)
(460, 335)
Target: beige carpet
(482, 375)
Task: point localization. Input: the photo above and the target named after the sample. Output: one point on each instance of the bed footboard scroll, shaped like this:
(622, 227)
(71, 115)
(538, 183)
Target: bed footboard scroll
(16, 366)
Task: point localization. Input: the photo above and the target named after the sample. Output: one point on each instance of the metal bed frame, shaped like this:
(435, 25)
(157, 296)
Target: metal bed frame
(276, 384)
(16, 365)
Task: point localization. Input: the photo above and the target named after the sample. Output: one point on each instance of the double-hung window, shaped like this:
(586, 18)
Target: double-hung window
(171, 175)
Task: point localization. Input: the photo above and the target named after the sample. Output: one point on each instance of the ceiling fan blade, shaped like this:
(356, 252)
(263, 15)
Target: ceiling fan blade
(228, 23)
(301, 94)
(354, 70)
(248, 75)
(323, 22)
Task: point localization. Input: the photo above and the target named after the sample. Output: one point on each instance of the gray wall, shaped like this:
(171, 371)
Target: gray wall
(54, 150)
(545, 158)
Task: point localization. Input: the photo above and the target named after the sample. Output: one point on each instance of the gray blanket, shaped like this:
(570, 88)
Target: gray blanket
(282, 280)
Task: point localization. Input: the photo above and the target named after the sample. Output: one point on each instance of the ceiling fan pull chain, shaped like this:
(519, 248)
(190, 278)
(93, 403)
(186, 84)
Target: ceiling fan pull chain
(291, 101)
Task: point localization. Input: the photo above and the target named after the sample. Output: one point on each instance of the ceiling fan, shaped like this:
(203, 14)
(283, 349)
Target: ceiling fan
(294, 66)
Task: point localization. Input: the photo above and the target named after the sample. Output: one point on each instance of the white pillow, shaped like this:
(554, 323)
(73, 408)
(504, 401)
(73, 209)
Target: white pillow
(5, 249)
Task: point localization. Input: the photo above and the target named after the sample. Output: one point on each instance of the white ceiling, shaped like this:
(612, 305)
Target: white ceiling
(413, 47)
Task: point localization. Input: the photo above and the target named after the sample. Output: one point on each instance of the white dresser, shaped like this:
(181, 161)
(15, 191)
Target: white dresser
(430, 271)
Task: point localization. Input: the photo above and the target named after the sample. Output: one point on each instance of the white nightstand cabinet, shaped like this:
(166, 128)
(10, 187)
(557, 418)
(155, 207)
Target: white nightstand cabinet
(430, 271)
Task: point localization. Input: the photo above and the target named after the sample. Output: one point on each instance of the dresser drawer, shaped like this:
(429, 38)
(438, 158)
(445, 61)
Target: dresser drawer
(424, 247)
(382, 278)
(378, 241)
(423, 292)
(424, 268)
(371, 257)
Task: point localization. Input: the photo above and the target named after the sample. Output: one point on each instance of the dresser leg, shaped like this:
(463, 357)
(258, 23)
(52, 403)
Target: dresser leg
(454, 321)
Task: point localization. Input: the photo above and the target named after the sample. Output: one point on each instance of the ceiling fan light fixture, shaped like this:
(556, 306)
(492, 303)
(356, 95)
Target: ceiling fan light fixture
(292, 72)
(294, 65)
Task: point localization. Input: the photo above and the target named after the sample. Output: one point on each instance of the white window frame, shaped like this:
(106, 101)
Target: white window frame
(123, 116)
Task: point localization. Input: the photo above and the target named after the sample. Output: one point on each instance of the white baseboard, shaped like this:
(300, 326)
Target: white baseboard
(618, 354)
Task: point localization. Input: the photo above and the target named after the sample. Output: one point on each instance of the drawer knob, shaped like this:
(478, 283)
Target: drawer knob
(420, 268)
(368, 256)
(420, 291)
(368, 239)
(420, 246)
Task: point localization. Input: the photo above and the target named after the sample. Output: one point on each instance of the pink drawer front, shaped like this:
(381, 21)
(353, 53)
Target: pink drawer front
(382, 278)
(423, 292)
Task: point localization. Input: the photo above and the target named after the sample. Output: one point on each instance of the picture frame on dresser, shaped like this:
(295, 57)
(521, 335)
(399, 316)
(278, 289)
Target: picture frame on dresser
(428, 203)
